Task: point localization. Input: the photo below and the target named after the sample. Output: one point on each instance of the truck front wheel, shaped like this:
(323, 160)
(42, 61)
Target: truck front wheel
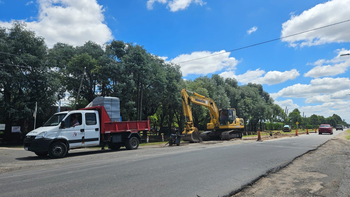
(132, 143)
(57, 150)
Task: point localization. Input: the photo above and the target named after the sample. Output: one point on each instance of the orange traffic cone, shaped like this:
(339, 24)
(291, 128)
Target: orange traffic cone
(296, 132)
(259, 136)
(315, 130)
(307, 131)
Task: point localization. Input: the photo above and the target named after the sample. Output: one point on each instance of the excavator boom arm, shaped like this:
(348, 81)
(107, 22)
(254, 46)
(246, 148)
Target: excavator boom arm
(190, 131)
(198, 100)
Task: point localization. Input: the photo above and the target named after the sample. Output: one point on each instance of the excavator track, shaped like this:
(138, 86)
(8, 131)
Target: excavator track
(227, 135)
(210, 135)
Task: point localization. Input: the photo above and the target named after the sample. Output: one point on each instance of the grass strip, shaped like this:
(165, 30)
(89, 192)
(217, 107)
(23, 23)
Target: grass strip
(153, 143)
(347, 136)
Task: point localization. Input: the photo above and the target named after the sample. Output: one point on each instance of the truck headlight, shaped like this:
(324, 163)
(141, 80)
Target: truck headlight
(41, 135)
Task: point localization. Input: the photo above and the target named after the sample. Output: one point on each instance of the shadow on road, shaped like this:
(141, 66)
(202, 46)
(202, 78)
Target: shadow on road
(69, 155)
(92, 152)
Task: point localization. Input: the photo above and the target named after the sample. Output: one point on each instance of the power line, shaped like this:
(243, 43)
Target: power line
(260, 43)
(237, 49)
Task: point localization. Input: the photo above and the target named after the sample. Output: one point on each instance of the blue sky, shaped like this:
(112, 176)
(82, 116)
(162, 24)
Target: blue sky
(304, 71)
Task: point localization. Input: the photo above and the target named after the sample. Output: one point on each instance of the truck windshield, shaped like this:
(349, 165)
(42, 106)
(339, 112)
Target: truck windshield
(54, 120)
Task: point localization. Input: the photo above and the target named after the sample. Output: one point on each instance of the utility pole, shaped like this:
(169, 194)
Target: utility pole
(81, 81)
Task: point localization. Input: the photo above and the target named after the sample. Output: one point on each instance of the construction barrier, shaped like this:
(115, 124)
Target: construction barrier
(296, 132)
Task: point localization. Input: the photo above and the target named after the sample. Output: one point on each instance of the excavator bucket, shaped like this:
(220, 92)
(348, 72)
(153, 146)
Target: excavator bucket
(191, 136)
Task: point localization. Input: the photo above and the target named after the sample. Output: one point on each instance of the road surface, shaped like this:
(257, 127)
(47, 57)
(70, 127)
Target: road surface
(210, 169)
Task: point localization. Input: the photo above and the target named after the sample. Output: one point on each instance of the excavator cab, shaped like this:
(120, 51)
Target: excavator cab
(227, 116)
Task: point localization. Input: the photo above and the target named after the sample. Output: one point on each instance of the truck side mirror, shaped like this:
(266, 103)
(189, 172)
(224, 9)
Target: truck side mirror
(63, 125)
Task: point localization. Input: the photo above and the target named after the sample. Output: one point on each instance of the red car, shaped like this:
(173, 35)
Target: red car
(325, 128)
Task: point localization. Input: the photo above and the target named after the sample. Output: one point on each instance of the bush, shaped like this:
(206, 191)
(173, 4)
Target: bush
(308, 126)
(274, 126)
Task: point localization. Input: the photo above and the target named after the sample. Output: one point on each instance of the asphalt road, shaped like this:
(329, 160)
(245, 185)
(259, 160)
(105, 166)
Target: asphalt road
(215, 169)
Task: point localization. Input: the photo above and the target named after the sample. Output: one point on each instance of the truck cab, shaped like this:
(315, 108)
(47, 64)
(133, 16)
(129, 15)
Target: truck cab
(61, 130)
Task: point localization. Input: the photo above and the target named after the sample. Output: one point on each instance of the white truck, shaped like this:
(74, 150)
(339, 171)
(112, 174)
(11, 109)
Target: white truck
(95, 128)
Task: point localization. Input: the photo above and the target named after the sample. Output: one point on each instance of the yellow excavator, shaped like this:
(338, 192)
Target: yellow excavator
(224, 124)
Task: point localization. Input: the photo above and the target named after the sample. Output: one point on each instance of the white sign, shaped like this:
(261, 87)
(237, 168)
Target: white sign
(16, 129)
(2, 127)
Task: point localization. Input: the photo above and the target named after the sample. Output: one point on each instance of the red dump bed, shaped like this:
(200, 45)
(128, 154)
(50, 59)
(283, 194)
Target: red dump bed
(115, 127)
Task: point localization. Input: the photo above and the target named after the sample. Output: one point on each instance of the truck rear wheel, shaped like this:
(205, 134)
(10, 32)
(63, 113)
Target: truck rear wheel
(132, 143)
(57, 150)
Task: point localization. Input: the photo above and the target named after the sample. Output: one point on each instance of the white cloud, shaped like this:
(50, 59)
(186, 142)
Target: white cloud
(328, 109)
(275, 77)
(334, 97)
(250, 76)
(322, 14)
(251, 30)
(151, 2)
(339, 107)
(163, 58)
(289, 104)
(337, 65)
(319, 99)
(30, 2)
(316, 87)
(71, 22)
(256, 76)
(216, 62)
(175, 5)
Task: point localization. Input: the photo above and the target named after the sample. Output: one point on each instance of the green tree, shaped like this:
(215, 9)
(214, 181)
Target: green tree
(337, 118)
(321, 120)
(142, 79)
(82, 67)
(330, 120)
(26, 77)
(255, 105)
(295, 116)
(314, 120)
(232, 91)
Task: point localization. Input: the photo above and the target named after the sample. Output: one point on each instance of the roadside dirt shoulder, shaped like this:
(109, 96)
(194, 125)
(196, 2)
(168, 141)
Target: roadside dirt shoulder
(323, 172)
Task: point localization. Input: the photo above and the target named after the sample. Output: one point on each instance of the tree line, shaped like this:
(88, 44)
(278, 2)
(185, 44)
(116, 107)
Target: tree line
(147, 86)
